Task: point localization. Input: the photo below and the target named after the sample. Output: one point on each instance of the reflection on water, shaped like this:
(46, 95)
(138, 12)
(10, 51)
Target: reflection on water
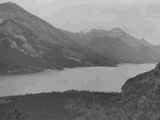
(91, 78)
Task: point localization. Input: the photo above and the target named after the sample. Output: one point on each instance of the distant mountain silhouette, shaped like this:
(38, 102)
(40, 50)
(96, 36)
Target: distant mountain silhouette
(118, 45)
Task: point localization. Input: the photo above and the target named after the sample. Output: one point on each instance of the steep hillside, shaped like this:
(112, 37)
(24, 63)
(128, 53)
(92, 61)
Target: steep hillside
(142, 94)
(29, 44)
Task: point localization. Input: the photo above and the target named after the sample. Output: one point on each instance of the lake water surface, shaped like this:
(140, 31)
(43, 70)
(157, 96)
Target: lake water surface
(108, 79)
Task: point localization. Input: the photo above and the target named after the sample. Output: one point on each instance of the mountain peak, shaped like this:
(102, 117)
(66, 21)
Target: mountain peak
(118, 31)
(9, 6)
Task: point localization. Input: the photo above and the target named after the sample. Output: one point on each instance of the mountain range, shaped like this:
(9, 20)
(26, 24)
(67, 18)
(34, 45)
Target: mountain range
(30, 44)
(119, 45)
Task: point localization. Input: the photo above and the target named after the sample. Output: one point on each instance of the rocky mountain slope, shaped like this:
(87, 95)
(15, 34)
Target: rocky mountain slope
(29, 44)
(139, 100)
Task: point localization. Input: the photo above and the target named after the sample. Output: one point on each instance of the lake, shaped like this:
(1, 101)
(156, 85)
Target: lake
(108, 79)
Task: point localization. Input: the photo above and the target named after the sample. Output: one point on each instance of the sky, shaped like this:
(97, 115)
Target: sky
(140, 18)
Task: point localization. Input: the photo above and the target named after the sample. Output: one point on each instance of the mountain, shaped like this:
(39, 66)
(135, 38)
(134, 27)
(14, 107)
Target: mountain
(118, 45)
(138, 100)
(29, 44)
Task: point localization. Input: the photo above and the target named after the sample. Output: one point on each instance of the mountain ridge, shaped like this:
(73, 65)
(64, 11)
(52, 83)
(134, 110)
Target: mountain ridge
(120, 46)
(54, 48)
(43, 46)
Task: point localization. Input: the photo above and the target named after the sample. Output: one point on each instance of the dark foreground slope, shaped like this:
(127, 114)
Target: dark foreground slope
(139, 100)
(59, 106)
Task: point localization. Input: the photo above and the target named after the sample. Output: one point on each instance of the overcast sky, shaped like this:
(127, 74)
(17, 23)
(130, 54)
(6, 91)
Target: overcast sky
(138, 17)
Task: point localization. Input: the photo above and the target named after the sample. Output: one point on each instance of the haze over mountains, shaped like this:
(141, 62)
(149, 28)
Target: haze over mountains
(140, 18)
(119, 45)
(29, 44)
